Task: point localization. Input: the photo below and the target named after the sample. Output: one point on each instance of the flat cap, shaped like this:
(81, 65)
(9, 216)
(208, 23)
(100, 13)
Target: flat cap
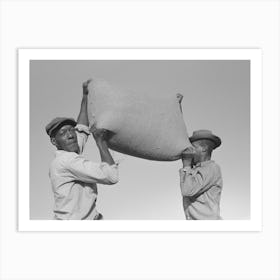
(56, 122)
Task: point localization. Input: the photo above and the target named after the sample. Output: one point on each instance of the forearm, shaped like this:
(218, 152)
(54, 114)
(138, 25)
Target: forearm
(83, 115)
(193, 184)
(185, 183)
(189, 183)
(104, 152)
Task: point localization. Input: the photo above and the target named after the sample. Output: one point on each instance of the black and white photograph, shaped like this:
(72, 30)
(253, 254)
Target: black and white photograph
(140, 139)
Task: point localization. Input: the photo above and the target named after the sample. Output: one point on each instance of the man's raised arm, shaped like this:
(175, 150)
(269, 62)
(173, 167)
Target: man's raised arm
(100, 136)
(83, 115)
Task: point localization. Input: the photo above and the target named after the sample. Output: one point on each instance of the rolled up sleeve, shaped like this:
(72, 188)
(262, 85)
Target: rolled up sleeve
(82, 132)
(91, 172)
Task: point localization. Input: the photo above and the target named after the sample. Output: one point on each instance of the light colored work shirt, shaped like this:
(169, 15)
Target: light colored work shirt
(74, 180)
(201, 188)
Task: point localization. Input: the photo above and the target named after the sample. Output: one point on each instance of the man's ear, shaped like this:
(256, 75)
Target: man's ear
(53, 141)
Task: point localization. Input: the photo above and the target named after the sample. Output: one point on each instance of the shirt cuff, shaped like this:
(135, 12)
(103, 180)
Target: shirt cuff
(83, 128)
(105, 164)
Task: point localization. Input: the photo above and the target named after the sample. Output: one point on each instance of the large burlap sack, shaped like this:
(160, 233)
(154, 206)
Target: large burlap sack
(144, 125)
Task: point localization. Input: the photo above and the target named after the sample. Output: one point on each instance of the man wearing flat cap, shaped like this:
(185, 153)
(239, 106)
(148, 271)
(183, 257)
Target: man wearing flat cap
(200, 178)
(73, 177)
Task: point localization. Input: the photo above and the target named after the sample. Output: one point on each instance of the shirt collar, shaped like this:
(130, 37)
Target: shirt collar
(60, 152)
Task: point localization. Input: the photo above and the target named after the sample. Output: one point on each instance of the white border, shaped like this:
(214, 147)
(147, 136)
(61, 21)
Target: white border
(254, 55)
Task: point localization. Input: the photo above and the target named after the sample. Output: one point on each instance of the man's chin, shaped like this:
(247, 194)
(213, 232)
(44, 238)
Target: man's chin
(73, 148)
